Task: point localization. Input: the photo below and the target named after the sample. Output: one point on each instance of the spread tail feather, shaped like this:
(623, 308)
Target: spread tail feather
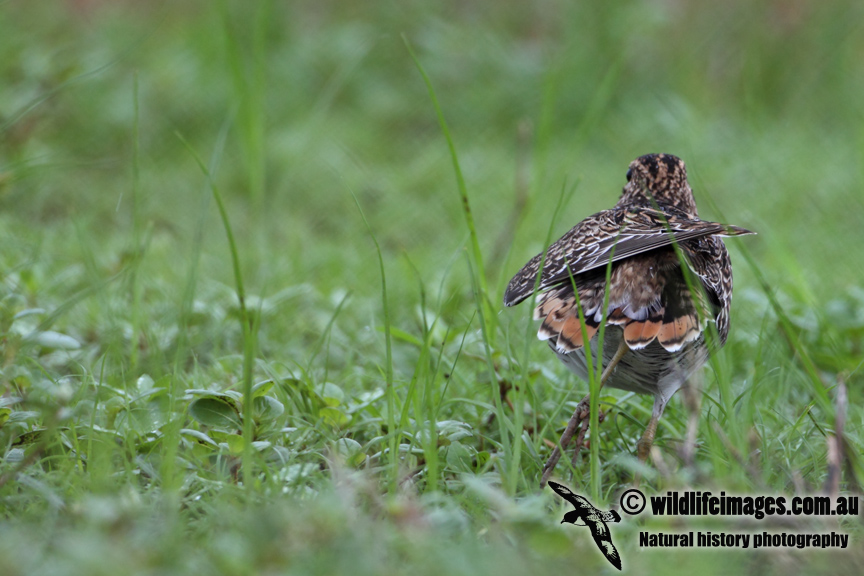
(638, 334)
(675, 332)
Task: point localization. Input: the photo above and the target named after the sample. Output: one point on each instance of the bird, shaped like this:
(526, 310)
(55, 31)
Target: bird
(593, 518)
(670, 278)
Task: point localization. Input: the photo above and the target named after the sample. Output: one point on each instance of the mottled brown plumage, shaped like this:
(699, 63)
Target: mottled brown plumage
(661, 314)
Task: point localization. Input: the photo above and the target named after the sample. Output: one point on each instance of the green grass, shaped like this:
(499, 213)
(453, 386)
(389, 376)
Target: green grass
(302, 399)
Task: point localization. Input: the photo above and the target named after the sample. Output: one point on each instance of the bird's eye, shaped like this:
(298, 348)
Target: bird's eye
(629, 174)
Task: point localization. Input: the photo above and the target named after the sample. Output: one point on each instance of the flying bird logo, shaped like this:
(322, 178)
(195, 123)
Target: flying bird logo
(593, 518)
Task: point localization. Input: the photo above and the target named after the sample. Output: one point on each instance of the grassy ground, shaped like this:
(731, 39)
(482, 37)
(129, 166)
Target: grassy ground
(152, 422)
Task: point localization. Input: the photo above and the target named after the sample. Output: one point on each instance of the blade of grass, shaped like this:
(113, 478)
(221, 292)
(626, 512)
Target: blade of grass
(786, 325)
(477, 257)
(138, 249)
(393, 434)
(425, 410)
(505, 426)
(170, 480)
(247, 327)
(249, 89)
(595, 380)
(564, 198)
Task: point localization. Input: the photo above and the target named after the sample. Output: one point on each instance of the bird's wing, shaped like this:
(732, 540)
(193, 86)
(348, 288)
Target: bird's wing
(603, 538)
(610, 516)
(578, 502)
(589, 244)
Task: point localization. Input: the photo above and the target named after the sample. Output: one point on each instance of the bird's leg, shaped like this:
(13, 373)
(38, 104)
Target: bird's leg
(569, 430)
(643, 448)
(580, 438)
(692, 400)
(647, 440)
(581, 412)
(622, 349)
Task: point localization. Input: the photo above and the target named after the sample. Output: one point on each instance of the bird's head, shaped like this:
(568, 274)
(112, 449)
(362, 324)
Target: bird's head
(573, 517)
(660, 178)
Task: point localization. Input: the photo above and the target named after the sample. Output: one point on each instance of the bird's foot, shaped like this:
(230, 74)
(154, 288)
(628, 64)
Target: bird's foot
(577, 425)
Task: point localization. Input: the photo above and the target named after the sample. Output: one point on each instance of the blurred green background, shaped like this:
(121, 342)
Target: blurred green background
(118, 292)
